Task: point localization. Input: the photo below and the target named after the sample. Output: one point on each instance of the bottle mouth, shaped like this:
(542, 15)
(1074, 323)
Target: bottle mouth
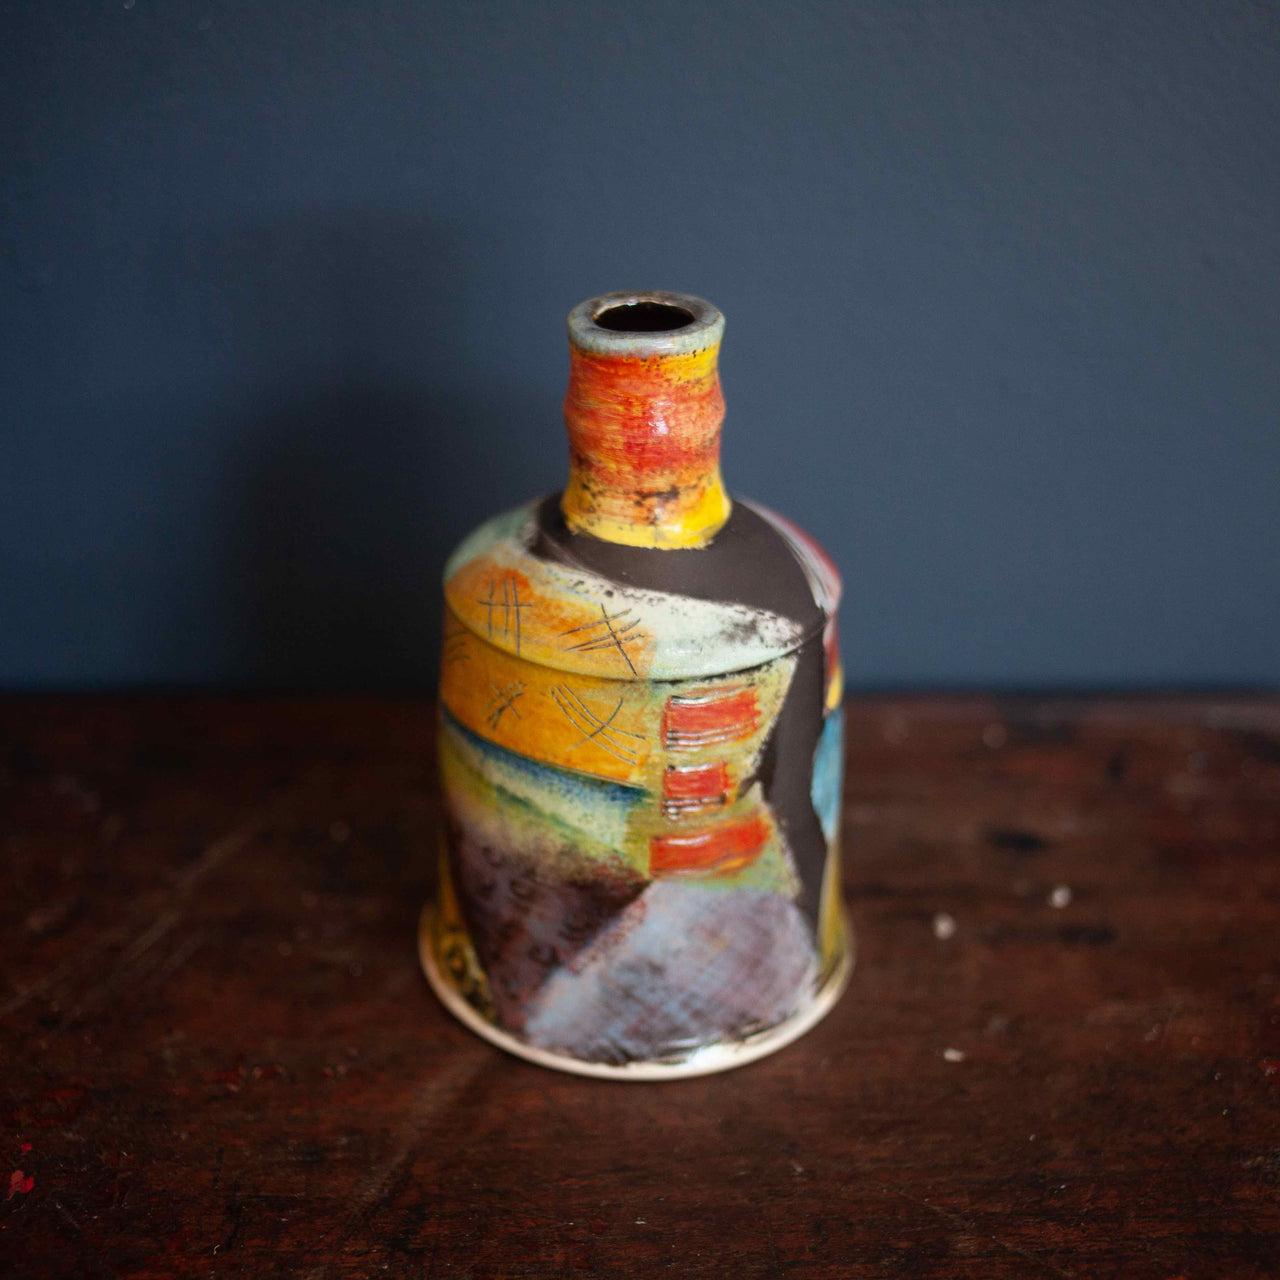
(642, 325)
(644, 316)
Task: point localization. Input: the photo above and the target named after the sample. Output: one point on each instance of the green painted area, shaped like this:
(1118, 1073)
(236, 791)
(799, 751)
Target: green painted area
(517, 803)
(594, 811)
(508, 820)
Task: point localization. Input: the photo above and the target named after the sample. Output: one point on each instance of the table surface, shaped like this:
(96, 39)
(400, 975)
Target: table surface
(219, 1056)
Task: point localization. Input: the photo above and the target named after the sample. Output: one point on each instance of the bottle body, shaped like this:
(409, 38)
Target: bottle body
(640, 759)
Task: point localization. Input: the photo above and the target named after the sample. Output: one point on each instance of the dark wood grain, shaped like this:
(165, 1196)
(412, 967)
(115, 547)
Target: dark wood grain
(219, 1056)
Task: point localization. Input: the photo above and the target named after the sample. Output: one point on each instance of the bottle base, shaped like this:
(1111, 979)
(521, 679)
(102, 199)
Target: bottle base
(704, 1061)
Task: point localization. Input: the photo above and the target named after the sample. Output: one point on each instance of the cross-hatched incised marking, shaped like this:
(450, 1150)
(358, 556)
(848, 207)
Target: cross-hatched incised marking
(604, 733)
(455, 648)
(508, 607)
(604, 635)
(504, 700)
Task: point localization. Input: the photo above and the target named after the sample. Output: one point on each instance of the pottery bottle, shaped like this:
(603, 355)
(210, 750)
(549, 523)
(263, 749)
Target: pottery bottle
(640, 737)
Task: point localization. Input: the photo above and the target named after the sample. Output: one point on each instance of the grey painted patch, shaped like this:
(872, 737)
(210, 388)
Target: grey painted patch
(684, 966)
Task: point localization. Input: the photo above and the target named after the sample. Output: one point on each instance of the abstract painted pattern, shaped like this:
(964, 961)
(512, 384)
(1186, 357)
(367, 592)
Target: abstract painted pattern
(625, 889)
(639, 740)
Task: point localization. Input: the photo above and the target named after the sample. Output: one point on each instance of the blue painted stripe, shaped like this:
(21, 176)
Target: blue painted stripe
(591, 790)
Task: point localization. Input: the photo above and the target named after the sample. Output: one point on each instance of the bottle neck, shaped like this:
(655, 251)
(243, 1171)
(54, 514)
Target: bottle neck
(644, 410)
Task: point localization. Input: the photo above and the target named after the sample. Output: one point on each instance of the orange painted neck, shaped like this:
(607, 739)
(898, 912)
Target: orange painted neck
(644, 410)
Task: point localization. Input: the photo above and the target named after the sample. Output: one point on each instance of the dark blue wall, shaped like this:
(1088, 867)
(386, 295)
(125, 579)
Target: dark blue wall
(283, 287)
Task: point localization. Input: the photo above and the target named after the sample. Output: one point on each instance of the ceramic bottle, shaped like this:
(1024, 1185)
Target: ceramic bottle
(640, 737)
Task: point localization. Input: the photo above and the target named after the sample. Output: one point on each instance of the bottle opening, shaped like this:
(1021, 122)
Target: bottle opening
(645, 324)
(644, 317)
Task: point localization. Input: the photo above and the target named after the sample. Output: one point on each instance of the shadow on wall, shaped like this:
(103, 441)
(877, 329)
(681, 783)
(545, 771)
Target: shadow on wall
(384, 441)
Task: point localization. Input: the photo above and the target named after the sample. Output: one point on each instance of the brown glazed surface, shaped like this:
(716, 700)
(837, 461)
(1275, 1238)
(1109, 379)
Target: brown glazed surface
(746, 563)
(219, 1056)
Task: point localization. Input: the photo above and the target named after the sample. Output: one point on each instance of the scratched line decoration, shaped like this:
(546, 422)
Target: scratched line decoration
(640, 738)
(604, 634)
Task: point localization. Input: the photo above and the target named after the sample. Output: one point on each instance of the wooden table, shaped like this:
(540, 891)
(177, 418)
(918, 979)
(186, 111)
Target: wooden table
(219, 1056)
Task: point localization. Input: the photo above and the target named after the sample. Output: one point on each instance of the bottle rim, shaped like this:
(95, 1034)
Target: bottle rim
(644, 324)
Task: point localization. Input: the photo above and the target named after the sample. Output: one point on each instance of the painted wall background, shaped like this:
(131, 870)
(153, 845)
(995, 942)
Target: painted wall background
(283, 286)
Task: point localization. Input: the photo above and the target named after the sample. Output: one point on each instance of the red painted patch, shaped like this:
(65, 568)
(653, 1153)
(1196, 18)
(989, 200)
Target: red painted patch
(831, 651)
(26, 1146)
(693, 788)
(638, 409)
(19, 1184)
(695, 781)
(644, 440)
(689, 722)
(715, 849)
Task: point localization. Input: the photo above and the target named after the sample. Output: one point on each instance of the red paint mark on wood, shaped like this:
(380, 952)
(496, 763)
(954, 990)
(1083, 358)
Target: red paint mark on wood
(26, 1146)
(692, 721)
(715, 849)
(19, 1184)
